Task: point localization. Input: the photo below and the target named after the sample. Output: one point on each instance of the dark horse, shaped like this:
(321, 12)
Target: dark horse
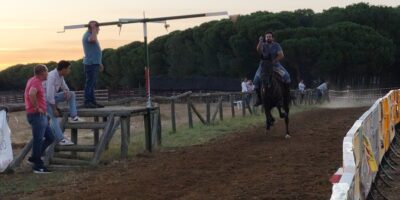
(274, 93)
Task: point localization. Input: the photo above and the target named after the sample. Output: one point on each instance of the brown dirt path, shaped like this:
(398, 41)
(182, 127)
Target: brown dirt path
(244, 165)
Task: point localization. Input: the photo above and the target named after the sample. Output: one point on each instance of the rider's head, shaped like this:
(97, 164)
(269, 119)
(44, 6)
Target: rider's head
(269, 36)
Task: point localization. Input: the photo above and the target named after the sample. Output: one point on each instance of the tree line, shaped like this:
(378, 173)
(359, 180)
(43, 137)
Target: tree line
(356, 46)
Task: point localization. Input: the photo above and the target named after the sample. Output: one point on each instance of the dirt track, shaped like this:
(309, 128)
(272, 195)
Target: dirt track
(244, 165)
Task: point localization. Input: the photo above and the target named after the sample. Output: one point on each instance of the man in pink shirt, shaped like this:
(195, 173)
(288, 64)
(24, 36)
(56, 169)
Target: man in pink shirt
(35, 105)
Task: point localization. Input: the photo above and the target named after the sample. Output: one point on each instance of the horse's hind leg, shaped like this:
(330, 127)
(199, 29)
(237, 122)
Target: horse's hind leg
(286, 108)
(282, 114)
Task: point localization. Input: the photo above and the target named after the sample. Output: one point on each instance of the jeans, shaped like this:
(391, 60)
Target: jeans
(91, 73)
(277, 68)
(55, 125)
(40, 129)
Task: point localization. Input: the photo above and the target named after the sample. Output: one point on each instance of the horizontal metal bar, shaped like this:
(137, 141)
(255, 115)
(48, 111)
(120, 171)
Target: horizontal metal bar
(75, 26)
(216, 14)
(145, 20)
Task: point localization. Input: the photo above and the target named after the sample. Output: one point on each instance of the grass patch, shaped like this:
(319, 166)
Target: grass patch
(31, 182)
(28, 182)
(200, 133)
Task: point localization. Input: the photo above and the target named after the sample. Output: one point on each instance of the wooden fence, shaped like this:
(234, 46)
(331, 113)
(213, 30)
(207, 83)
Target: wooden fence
(114, 117)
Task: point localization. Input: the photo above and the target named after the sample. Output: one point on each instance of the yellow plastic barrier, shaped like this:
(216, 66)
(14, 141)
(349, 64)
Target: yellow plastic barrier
(365, 145)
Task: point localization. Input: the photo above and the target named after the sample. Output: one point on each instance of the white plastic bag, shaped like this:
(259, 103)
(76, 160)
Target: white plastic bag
(6, 153)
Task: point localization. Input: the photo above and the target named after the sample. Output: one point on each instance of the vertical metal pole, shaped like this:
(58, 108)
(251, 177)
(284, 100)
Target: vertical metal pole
(147, 68)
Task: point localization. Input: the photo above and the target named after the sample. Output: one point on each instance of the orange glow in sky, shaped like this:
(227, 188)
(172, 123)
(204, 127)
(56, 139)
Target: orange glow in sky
(28, 29)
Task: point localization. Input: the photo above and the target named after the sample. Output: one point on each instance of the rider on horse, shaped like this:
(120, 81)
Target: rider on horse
(272, 52)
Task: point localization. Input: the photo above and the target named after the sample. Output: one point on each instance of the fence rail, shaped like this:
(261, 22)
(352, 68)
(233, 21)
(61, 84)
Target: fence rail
(367, 146)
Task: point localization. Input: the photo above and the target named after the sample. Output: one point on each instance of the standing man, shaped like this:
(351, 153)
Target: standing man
(322, 91)
(302, 88)
(35, 105)
(270, 51)
(57, 91)
(244, 85)
(92, 62)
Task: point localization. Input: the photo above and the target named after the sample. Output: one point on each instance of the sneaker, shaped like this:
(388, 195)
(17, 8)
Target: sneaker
(65, 142)
(76, 119)
(90, 105)
(41, 170)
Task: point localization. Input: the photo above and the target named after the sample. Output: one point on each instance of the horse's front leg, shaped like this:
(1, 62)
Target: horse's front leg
(282, 114)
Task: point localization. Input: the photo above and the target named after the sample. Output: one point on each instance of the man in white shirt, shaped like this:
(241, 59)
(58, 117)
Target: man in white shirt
(58, 91)
(322, 90)
(244, 85)
(302, 88)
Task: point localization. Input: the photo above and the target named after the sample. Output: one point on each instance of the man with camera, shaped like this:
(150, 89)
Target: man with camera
(92, 62)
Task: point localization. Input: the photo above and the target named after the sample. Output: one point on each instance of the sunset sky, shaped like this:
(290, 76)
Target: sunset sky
(28, 29)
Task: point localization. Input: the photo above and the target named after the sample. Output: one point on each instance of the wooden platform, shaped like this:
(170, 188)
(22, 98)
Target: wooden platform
(106, 121)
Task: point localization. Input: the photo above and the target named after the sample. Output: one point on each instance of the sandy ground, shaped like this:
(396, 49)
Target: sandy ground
(244, 165)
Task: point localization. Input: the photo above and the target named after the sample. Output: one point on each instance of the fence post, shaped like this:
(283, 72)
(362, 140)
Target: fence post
(96, 132)
(221, 112)
(173, 115)
(147, 126)
(243, 105)
(159, 131)
(232, 105)
(124, 136)
(208, 110)
(190, 117)
(74, 139)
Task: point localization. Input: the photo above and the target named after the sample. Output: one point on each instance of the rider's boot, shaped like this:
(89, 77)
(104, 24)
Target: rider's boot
(258, 99)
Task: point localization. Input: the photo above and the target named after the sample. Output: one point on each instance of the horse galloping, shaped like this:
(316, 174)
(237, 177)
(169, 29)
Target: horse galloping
(274, 93)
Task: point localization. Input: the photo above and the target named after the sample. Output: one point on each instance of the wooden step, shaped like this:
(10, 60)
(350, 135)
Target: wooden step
(85, 125)
(76, 148)
(65, 161)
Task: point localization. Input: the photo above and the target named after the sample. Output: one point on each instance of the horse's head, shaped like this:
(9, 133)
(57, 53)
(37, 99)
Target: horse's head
(267, 66)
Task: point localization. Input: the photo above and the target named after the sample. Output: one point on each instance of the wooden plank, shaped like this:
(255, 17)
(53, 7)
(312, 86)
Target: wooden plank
(216, 110)
(85, 125)
(154, 133)
(74, 139)
(65, 161)
(129, 129)
(79, 148)
(103, 141)
(124, 136)
(17, 160)
(190, 117)
(147, 130)
(49, 152)
(173, 120)
(197, 113)
(117, 123)
(232, 105)
(96, 133)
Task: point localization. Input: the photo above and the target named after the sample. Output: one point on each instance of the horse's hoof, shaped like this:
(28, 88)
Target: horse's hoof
(287, 136)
